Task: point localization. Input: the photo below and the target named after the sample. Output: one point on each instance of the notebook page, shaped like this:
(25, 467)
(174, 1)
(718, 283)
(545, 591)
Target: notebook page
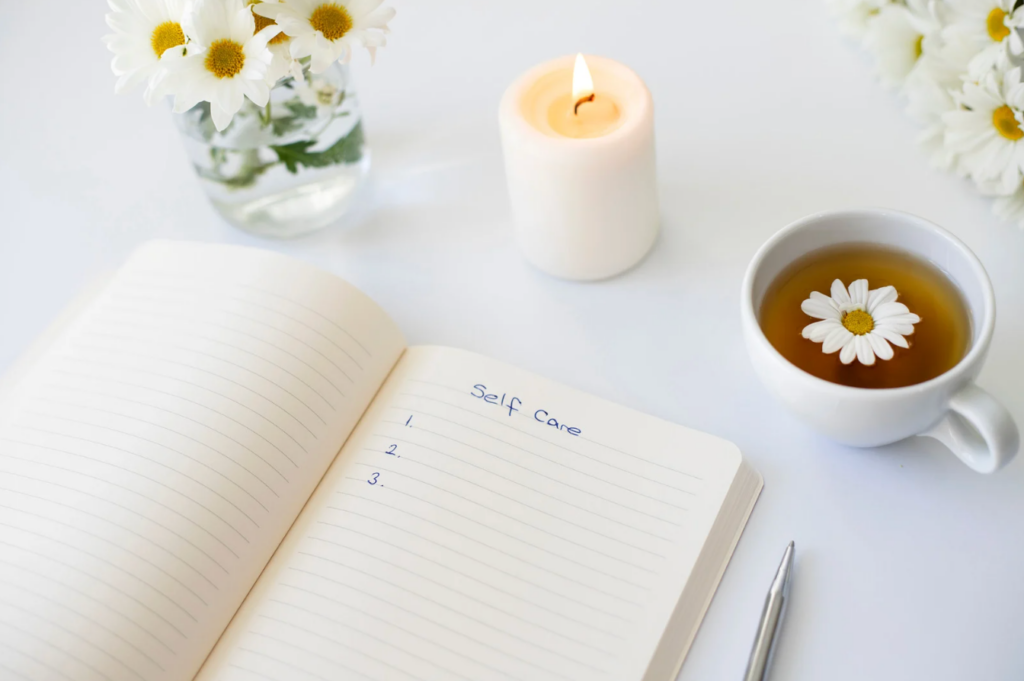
(484, 523)
(155, 456)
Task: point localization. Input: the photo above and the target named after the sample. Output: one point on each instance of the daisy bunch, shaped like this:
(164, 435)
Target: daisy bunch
(224, 52)
(958, 65)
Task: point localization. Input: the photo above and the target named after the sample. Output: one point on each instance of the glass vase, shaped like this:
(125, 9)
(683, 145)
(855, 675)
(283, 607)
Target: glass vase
(288, 168)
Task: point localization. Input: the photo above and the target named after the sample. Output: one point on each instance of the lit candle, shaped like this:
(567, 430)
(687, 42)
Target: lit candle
(579, 156)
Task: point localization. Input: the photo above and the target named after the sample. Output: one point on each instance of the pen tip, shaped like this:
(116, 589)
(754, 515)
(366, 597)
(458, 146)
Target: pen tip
(792, 544)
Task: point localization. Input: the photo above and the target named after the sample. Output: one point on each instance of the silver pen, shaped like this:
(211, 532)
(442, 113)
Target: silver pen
(771, 619)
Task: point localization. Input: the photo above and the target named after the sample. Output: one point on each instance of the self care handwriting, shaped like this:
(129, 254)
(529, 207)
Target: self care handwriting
(541, 415)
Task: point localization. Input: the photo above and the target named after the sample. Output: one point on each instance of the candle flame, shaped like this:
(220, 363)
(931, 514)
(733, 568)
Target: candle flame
(582, 83)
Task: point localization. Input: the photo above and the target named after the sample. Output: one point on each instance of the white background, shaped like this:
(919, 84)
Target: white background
(909, 566)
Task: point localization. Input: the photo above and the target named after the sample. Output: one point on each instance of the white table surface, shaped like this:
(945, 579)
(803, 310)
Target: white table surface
(909, 566)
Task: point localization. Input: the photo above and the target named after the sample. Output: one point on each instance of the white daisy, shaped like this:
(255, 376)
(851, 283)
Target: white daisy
(143, 32)
(1008, 206)
(929, 89)
(226, 61)
(986, 133)
(319, 92)
(855, 15)
(283, 64)
(981, 31)
(897, 38)
(327, 30)
(1011, 207)
(858, 323)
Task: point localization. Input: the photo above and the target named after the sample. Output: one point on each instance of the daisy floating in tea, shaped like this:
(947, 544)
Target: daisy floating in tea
(859, 323)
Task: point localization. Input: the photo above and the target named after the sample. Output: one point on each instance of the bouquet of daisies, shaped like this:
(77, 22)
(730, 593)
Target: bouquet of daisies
(958, 64)
(225, 51)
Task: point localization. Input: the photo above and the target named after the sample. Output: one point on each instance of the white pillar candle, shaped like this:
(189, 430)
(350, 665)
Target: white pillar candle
(580, 166)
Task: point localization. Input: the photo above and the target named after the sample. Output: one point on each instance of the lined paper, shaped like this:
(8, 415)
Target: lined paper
(464, 537)
(152, 462)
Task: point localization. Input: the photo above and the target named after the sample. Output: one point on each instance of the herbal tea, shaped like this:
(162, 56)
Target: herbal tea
(894, 320)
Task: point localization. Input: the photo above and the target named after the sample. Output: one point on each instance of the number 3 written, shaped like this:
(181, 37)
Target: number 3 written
(373, 478)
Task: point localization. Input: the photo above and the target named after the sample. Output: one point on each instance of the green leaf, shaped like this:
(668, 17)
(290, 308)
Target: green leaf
(300, 110)
(348, 149)
(284, 125)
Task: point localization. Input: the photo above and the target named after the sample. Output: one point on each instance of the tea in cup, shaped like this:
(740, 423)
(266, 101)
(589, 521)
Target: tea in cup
(871, 326)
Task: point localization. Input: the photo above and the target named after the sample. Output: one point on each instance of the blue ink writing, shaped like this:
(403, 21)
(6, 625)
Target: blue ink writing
(391, 451)
(511, 404)
(373, 478)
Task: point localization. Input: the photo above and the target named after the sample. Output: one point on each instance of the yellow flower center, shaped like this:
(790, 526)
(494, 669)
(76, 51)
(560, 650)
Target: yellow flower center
(165, 36)
(919, 47)
(858, 322)
(225, 58)
(1006, 123)
(997, 29)
(263, 22)
(331, 19)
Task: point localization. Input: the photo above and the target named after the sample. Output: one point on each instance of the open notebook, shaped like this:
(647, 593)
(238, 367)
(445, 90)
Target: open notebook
(227, 465)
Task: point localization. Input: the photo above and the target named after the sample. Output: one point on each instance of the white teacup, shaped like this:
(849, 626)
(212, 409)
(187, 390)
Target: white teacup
(949, 408)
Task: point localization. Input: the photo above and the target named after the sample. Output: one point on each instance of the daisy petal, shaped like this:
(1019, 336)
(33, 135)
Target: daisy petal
(865, 354)
(886, 294)
(849, 352)
(909, 318)
(859, 292)
(820, 310)
(880, 346)
(818, 331)
(893, 337)
(839, 293)
(836, 339)
(889, 310)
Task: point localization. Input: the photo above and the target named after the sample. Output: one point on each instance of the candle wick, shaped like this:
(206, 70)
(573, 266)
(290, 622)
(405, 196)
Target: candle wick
(576, 109)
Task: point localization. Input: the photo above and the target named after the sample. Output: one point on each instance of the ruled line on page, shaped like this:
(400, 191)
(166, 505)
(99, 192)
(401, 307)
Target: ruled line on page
(135, 455)
(117, 567)
(358, 630)
(210, 306)
(92, 621)
(101, 581)
(121, 351)
(467, 556)
(272, 294)
(464, 575)
(513, 518)
(435, 623)
(122, 487)
(552, 461)
(162, 427)
(137, 474)
(462, 391)
(408, 459)
(484, 603)
(113, 543)
(340, 644)
(529, 451)
(72, 633)
(229, 346)
(140, 403)
(574, 580)
(246, 301)
(530, 470)
(159, 316)
(200, 462)
(81, 511)
(559, 499)
(128, 368)
(120, 506)
(36, 660)
(303, 671)
(183, 399)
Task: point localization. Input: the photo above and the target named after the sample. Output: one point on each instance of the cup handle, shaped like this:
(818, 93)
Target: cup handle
(978, 429)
